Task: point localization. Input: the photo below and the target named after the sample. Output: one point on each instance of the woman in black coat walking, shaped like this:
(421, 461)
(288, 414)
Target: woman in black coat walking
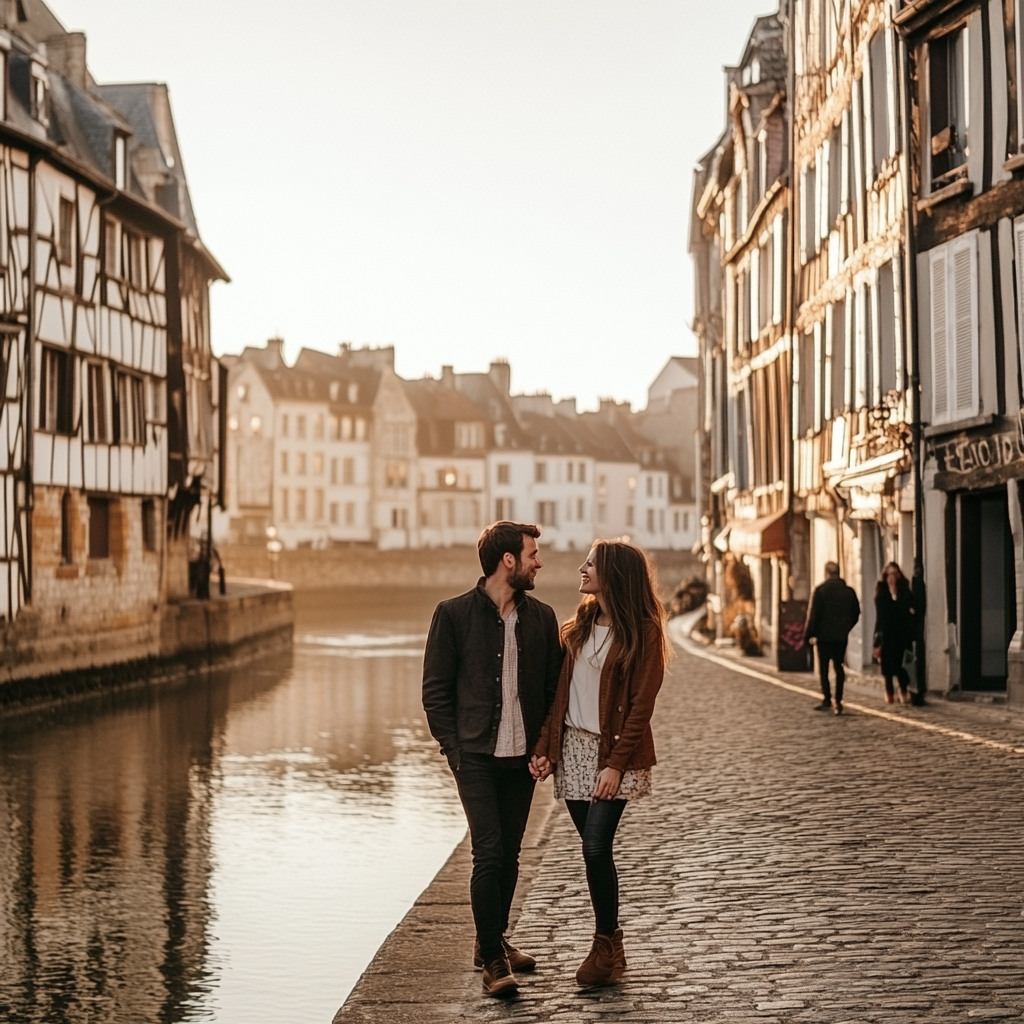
(895, 629)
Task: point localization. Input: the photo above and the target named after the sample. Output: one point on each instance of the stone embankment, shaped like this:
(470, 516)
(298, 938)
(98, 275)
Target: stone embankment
(253, 618)
(791, 866)
(363, 566)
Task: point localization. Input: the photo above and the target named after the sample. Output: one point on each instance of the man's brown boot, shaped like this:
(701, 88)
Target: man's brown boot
(498, 978)
(600, 967)
(517, 959)
(620, 952)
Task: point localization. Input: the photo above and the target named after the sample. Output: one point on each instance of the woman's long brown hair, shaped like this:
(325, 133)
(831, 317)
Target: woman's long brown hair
(902, 583)
(630, 593)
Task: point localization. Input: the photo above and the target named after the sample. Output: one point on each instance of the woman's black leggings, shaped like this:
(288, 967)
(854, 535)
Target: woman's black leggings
(892, 665)
(596, 823)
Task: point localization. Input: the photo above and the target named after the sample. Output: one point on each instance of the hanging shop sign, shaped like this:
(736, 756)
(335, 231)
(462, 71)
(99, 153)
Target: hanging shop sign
(980, 457)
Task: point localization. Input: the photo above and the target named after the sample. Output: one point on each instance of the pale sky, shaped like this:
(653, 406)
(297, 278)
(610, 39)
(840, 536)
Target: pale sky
(463, 179)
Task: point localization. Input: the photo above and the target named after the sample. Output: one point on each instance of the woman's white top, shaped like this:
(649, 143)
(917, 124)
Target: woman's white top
(584, 711)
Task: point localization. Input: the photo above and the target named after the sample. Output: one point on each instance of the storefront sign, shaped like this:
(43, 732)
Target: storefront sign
(983, 457)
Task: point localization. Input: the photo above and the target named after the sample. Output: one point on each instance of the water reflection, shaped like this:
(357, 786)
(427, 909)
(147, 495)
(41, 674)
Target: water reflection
(231, 849)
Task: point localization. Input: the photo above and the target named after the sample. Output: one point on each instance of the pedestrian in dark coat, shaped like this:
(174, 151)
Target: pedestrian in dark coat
(895, 629)
(834, 611)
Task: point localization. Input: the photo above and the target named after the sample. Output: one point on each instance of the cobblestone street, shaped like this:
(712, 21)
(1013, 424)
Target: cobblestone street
(794, 866)
(791, 866)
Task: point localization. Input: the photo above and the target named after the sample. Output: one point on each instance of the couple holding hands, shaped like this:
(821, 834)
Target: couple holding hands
(512, 698)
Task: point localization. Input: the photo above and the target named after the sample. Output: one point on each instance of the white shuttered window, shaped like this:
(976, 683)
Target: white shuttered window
(778, 256)
(1018, 259)
(953, 273)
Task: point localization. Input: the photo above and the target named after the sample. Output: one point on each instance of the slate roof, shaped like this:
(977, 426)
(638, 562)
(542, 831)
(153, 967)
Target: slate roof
(292, 384)
(482, 390)
(438, 408)
(558, 435)
(433, 401)
(83, 118)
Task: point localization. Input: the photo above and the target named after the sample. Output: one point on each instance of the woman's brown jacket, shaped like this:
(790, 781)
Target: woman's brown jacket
(625, 707)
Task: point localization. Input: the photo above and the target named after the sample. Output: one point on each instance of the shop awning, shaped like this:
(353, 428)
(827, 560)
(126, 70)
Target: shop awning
(764, 536)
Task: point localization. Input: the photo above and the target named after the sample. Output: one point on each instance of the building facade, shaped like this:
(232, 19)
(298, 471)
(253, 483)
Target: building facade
(967, 195)
(339, 449)
(741, 233)
(110, 468)
(906, 203)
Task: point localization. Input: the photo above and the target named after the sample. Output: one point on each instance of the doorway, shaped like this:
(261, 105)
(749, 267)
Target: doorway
(988, 599)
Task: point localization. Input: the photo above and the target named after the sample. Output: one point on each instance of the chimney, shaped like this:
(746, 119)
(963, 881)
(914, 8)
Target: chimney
(609, 408)
(275, 346)
(378, 359)
(447, 377)
(501, 374)
(566, 407)
(66, 55)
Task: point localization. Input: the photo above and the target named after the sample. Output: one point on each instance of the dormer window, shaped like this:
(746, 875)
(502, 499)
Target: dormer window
(469, 435)
(120, 160)
(39, 94)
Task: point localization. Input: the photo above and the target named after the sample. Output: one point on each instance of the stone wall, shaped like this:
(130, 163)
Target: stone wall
(82, 609)
(360, 566)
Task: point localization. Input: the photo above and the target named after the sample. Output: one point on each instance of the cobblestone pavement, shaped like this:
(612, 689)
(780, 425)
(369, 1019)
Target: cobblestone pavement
(793, 866)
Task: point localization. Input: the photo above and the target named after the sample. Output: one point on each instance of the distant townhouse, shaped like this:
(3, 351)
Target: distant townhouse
(671, 421)
(510, 460)
(112, 410)
(300, 439)
(616, 471)
(453, 436)
(339, 449)
(563, 470)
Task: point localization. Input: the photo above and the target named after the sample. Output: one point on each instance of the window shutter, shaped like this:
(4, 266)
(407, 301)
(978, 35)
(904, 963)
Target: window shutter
(940, 343)
(1018, 256)
(754, 277)
(964, 347)
(778, 256)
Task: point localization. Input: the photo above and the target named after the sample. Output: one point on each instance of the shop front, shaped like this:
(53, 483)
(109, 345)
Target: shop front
(976, 561)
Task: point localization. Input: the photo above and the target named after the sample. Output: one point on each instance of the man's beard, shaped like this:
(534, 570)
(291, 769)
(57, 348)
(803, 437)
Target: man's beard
(519, 580)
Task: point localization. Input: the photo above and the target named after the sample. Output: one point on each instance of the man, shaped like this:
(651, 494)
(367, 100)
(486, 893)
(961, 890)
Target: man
(833, 613)
(490, 671)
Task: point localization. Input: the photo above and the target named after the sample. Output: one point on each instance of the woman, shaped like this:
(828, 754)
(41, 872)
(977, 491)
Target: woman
(895, 629)
(597, 738)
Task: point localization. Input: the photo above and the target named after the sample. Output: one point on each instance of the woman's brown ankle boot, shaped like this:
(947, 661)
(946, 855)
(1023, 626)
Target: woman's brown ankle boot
(620, 952)
(600, 967)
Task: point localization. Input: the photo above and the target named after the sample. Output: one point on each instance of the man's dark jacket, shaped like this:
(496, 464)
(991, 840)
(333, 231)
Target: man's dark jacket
(462, 671)
(833, 613)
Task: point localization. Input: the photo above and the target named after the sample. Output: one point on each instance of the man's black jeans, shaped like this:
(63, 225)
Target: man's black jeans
(496, 793)
(830, 651)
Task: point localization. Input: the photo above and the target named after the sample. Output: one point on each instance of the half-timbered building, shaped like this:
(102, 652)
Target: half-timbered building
(740, 239)
(967, 188)
(852, 374)
(109, 419)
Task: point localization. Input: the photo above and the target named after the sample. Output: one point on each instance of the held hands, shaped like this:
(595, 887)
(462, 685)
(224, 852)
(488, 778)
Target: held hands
(540, 767)
(607, 784)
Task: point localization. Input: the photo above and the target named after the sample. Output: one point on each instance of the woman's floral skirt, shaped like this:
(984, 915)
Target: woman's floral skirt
(577, 770)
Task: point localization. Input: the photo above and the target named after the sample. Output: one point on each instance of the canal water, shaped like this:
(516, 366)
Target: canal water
(230, 849)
